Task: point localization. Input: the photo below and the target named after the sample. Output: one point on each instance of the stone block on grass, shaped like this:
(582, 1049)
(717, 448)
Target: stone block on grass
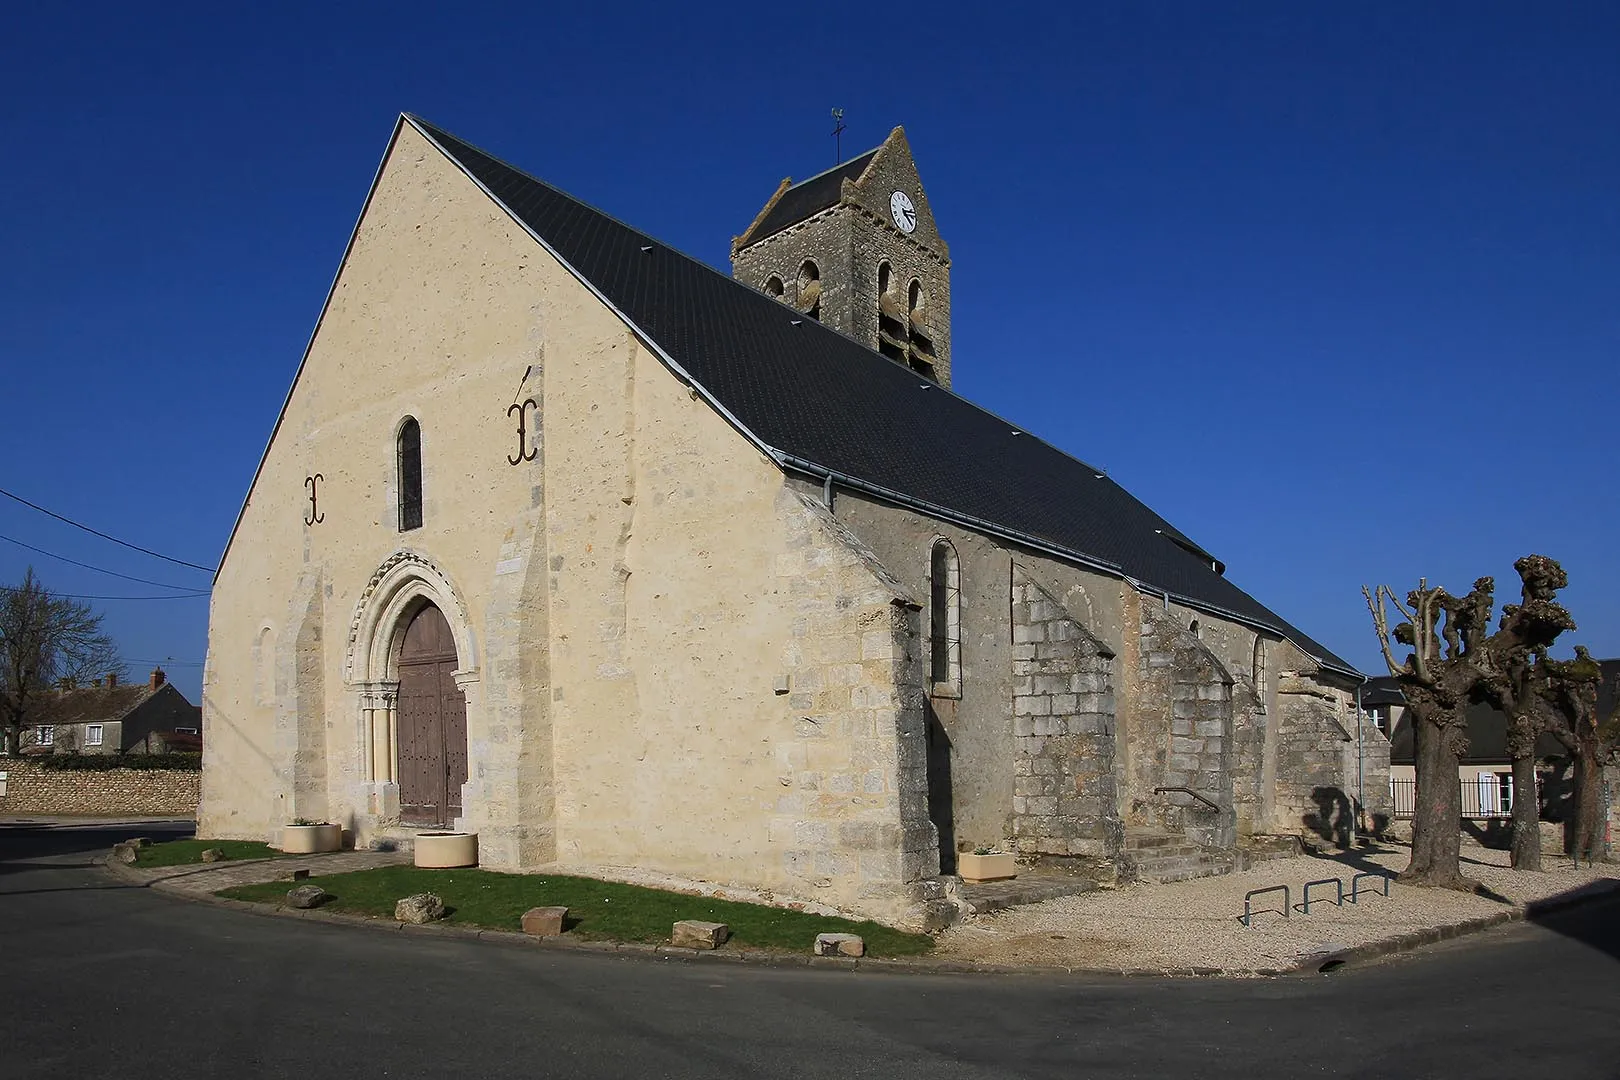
(212, 854)
(544, 921)
(693, 934)
(126, 853)
(307, 896)
(840, 945)
(419, 909)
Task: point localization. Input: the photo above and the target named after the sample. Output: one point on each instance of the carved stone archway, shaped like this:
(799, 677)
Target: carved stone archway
(406, 582)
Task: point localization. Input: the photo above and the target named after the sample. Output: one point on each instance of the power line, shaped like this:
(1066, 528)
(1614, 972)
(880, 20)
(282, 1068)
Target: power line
(171, 662)
(81, 596)
(104, 536)
(87, 566)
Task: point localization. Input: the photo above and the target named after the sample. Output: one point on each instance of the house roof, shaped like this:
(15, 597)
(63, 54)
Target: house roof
(93, 704)
(807, 197)
(824, 404)
(1487, 725)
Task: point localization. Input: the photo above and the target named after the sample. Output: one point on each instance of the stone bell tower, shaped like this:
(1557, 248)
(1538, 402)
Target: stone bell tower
(857, 248)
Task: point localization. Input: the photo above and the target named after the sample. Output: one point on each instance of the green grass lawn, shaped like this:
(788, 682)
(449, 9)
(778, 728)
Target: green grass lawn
(596, 909)
(181, 852)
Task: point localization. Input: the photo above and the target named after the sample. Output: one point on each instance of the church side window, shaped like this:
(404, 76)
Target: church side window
(810, 289)
(774, 287)
(1262, 683)
(410, 475)
(945, 619)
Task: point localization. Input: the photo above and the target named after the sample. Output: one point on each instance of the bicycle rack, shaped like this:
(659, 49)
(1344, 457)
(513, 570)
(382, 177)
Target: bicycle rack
(1252, 893)
(1355, 884)
(1335, 882)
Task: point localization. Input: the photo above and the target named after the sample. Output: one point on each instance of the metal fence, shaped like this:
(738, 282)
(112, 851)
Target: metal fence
(1486, 795)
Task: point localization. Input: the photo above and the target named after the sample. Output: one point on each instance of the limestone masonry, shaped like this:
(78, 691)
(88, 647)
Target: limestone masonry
(550, 543)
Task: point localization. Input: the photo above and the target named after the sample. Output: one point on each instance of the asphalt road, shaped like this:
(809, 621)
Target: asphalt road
(104, 979)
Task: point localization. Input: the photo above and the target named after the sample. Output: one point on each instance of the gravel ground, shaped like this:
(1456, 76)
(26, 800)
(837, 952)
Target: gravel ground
(1194, 924)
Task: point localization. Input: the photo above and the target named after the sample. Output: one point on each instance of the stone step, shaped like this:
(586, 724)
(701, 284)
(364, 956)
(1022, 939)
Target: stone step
(1136, 841)
(1184, 868)
(1031, 886)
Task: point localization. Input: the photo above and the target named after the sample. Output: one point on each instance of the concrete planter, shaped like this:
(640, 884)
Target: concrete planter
(443, 850)
(311, 839)
(977, 868)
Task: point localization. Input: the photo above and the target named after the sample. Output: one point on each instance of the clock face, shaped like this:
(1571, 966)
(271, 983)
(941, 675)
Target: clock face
(904, 214)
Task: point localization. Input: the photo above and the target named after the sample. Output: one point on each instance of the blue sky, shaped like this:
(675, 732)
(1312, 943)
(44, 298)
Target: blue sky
(1333, 288)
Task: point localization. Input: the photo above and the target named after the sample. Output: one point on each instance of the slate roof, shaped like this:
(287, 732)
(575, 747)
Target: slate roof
(1487, 740)
(808, 197)
(820, 401)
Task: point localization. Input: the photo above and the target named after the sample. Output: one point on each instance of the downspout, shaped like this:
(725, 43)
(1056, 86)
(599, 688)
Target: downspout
(1361, 777)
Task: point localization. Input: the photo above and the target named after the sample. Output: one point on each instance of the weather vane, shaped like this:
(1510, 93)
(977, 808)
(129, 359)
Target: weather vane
(838, 130)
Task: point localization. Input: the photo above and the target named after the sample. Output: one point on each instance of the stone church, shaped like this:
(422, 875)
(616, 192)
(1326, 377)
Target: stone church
(564, 537)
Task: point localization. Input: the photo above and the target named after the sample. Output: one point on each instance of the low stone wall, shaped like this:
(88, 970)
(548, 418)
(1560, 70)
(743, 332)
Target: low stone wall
(32, 789)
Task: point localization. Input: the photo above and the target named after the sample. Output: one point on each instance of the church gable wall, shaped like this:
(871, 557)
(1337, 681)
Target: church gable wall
(437, 314)
(735, 682)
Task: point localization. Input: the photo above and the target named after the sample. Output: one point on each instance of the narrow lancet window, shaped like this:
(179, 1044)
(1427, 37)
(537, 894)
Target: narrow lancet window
(945, 620)
(410, 475)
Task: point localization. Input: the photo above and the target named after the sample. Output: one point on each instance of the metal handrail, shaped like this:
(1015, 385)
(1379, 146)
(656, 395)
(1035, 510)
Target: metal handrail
(1305, 905)
(1252, 893)
(1189, 791)
(1355, 883)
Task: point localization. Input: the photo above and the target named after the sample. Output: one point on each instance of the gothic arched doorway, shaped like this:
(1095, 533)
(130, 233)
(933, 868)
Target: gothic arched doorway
(432, 723)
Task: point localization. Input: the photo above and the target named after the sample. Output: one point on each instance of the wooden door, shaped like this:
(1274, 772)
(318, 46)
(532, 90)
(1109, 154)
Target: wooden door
(432, 723)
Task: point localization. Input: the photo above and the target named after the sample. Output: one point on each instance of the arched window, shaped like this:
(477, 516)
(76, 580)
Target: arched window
(773, 287)
(891, 317)
(410, 475)
(944, 620)
(810, 289)
(920, 346)
(1262, 679)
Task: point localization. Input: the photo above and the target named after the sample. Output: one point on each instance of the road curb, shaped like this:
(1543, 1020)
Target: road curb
(1417, 939)
(1313, 964)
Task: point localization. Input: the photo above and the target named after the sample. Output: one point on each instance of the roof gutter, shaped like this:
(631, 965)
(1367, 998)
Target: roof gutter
(828, 475)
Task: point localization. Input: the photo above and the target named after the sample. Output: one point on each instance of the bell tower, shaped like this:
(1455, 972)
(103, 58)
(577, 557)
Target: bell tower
(857, 248)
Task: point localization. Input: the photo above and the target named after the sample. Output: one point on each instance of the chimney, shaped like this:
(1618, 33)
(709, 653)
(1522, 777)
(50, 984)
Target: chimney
(157, 678)
(112, 679)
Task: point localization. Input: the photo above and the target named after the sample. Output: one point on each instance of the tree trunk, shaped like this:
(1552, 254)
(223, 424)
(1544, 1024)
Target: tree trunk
(1526, 814)
(1585, 828)
(1437, 811)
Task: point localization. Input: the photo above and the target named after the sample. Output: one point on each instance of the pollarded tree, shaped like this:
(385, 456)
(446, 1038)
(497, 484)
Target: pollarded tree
(43, 639)
(1439, 677)
(1512, 664)
(1571, 687)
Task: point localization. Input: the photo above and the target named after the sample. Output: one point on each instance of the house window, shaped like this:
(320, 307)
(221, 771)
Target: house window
(45, 735)
(945, 619)
(92, 734)
(410, 475)
(810, 289)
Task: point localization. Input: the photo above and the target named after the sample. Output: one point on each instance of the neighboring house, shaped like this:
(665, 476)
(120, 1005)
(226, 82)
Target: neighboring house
(564, 537)
(113, 717)
(1486, 769)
